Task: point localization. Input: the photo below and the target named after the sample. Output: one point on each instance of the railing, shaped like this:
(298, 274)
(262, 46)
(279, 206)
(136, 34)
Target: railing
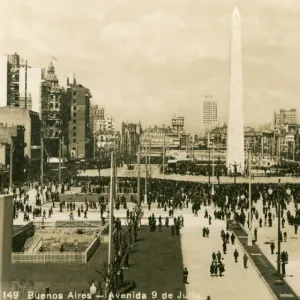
(46, 257)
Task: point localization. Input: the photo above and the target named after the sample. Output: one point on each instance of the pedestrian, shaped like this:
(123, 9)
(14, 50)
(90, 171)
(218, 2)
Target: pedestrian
(93, 290)
(204, 232)
(245, 259)
(207, 232)
(232, 238)
(221, 268)
(255, 234)
(209, 220)
(71, 216)
(283, 268)
(236, 255)
(214, 256)
(185, 276)
(224, 248)
(219, 256)
(272, 246)
(260, 222)
(285, 236)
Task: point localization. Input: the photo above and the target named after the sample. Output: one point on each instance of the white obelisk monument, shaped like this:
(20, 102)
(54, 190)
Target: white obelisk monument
(235, 130)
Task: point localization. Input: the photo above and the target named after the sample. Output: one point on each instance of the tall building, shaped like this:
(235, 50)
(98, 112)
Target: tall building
(130, 137)
(235, 129)
(178, 124)
(55, 114)
(96, 114)
(20, 83)
(285, 117)
(3, 80)
(109, 122)
(79, 129)
(209, 113)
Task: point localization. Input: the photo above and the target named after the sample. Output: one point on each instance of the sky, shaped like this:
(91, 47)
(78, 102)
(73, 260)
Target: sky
(148, 60)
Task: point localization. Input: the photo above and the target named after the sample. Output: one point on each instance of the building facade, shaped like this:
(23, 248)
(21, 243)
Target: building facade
(12, 136)
(12, 116)
(97, 115)
(20, 83)
(55, 112)
(79, 124)
(178, 124)
(130, 137)
(209, 113)
(284, 117)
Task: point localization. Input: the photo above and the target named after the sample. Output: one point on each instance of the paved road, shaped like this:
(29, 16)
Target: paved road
(123, 172)
(197, 253)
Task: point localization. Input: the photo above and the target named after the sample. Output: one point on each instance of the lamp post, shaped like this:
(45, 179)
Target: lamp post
(279, 276)
(213, 167)
(250, 239)
(208, 161)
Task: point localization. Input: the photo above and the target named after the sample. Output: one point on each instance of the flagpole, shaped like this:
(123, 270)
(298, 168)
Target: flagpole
(111, 215)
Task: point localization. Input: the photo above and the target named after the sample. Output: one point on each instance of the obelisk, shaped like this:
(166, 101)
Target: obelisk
(235, 129)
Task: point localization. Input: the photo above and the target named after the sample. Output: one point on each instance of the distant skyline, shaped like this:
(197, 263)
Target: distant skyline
(146, 60)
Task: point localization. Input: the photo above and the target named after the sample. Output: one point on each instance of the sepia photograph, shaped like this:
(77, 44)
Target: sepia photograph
(149, 149)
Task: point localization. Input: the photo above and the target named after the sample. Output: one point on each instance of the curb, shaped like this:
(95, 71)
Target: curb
(260, 275)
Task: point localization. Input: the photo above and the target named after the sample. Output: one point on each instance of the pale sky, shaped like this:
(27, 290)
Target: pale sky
(150, 59)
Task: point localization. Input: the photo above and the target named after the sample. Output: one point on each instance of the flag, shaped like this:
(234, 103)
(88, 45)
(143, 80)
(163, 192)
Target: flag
(53, 58)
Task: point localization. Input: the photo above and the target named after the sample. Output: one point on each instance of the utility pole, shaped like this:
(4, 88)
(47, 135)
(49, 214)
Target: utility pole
(59, 162)
(146, 175)
(94, 150)
(250, 200)
(279, 277)
(213, 167)
(25, 84)
(111, 214)
(11, 164)
(150, 154)
(164, 154)
(42, 169)
(139, 176)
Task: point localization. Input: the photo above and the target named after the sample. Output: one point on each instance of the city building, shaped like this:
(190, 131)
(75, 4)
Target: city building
(20, 83)
(284, 117)
(109, 123)
(178, 124)
(3, 80)
(96, 114)
(79, 125)
(209, 113)
(130, 137)
(12, 116)
(12, 136)
(55, 112)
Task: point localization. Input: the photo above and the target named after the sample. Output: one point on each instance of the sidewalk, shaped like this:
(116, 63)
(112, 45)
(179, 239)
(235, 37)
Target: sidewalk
(263, 265)
(237, 282)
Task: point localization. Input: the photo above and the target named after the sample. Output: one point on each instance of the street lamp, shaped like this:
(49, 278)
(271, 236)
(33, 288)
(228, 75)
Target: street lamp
(279, 277)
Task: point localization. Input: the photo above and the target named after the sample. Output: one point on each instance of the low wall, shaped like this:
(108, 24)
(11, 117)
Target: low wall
(19, 238)
(60, 257)
(95, 244)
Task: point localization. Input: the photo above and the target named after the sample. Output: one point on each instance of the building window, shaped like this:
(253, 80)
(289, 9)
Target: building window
(56, 105)
(74, 107)
(74, 114)
(74, 127)
(74, 140)
(74, 134)
(74, 121)
(74, 93)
